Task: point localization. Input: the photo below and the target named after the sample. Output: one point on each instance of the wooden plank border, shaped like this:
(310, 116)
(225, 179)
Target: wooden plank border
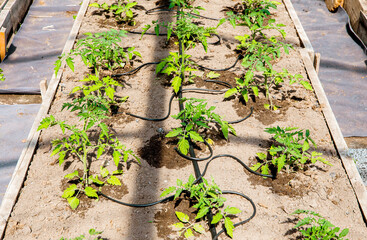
(12, 13)
(341, 146)
(21, 168)
(299, 28)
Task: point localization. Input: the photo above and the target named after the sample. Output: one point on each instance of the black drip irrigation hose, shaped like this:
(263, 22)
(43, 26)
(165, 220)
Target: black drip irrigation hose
(173, 35)
(195, 158)
(169, 198)
(239, 161)
(223, 69)
(244, 221)
(200, 66)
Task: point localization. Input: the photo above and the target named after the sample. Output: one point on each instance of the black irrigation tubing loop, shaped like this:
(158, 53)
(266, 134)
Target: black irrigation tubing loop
(154, 119)
(169, 198)
(134, 70)
(238, 160)
(242, 119)
(202, 90)
(244, 221)
(219, 82)
(165, 34)
(194, 158)
(223, 69)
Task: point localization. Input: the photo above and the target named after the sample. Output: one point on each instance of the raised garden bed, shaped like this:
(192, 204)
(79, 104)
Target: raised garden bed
(41, 213)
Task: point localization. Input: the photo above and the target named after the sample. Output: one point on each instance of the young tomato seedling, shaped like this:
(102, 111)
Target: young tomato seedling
(100, 50)
(87, 142)
(121, 11)
(290, 151)
(102, 88)
(314, 226)
(196, 117)
(207, 196)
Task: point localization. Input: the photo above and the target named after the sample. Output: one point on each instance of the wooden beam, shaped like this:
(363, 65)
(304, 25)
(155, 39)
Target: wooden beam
(341, 146)
(21, 168)
(299, 28)
(2, 44)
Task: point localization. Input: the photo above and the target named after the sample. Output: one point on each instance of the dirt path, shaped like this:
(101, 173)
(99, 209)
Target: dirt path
(41, 213)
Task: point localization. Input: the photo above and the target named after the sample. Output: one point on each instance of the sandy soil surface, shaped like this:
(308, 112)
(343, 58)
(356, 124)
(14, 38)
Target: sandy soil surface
(41, 213)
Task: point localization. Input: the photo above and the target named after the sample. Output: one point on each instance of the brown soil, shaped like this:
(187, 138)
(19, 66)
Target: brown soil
(159, 152)
(165, 218)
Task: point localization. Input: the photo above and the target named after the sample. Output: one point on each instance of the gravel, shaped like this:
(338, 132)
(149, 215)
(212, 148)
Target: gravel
(360, 158)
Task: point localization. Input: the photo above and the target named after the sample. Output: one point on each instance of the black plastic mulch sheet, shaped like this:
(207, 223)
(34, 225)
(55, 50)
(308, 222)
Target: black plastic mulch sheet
(343, 69)
(15, 123)
(37, 44)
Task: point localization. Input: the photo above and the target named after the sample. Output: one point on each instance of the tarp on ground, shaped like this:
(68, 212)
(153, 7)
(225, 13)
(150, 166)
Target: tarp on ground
(343, 69)
(37, 44)
(15, 124)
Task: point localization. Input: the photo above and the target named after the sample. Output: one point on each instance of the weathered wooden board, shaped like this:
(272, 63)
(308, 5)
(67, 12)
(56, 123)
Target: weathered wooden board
(341, 146)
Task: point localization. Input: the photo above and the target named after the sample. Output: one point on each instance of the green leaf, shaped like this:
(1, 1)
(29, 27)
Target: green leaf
(116, 157)
(113, 180)
(183, 146)
(168, 191)
(262, 156)
(217, 217)
(198, 228)
(255, 90)
(281, 162)
(100, 152)
(96, 180)
(179, 225)
(70, 63)
(230, 92)
(91, 192)
(202, 212)
(174, 132)
(73, 202)
(344, 233)
(72, 175)
(255, 167)
(228, 224)
(110, 92)
(176, 83)
(196, 136)
(212, 75)
(160, 66)
(104, 172)
(305, 146)
(306, 85)
(232, 210)
(70, 191)
(188, 233)
(182, 217)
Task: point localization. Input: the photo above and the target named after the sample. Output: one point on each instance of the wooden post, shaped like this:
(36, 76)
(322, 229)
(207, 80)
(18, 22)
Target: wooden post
(2, 44)
(316, 62)
(43, 87)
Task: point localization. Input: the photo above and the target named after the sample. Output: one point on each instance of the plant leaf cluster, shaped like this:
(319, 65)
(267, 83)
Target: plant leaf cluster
(92, 232)
(208, 197)
(194, 119)
(314, 227)
(100, 50)
(121, 11)
(260, 51)
(189, 34)
(103, 88)
(292, 150)
(87, 141)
